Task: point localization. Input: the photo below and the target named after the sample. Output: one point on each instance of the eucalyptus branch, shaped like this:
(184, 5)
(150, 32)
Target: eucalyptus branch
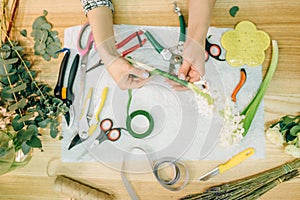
(12, 18)
(25, 66)
(11, 86)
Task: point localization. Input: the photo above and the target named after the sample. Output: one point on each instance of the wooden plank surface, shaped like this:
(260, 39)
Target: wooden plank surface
(280, 18)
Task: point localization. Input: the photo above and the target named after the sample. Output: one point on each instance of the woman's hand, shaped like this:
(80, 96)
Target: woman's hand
(126, 76)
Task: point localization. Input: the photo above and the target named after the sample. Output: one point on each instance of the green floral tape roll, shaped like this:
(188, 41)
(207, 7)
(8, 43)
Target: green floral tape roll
(132, 116)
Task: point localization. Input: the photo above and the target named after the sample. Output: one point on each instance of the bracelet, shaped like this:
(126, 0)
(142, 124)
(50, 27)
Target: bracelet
(91, 4)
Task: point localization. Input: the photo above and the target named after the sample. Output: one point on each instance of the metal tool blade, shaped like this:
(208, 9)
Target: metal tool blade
(75, 141)
(210, 174)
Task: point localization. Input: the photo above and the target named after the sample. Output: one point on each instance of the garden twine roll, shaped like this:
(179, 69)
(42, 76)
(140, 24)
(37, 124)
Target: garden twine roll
(78, 190)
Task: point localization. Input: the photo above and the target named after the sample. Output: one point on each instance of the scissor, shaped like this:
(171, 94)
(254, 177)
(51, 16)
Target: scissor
(212, 50)
(107, 132)
(84, 45)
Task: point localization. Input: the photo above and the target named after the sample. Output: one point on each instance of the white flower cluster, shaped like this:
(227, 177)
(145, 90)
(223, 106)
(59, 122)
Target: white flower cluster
(204, 108)
(274, 136)
(277, 138)
(232, 131)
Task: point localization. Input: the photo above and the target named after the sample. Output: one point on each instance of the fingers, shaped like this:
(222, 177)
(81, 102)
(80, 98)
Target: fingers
(194, 75)
(184, 70)
(143, 74)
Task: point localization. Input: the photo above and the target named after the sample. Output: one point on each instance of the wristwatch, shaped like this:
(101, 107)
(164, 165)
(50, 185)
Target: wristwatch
(91, 4)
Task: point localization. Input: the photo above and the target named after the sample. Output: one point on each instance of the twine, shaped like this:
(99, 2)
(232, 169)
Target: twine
(78, 190)
(75, 189)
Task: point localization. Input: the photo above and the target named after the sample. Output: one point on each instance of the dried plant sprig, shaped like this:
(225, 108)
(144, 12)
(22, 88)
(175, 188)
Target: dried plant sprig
(251, 187)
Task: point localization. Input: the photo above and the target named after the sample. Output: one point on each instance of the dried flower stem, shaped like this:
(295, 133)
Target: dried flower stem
(12, 18)
(251, 187)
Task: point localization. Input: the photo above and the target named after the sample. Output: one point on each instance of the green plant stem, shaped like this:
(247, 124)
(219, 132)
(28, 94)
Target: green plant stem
(251, 109)
(154, 71)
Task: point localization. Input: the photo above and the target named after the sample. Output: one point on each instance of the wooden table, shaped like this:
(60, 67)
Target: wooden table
(280, 18)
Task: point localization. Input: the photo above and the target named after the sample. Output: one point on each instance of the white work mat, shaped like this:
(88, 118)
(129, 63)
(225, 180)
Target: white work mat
(179, 130)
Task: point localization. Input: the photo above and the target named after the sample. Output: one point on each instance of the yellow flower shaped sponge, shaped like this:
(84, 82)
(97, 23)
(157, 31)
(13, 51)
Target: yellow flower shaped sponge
(245, 45)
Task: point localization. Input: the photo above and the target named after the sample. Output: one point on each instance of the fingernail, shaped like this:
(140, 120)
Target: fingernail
(146, 75)
(181, 76)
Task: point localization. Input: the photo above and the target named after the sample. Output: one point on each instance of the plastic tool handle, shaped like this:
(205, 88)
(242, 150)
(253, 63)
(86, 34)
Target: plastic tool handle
(154, 42)
(103, 99)
(235, 160)
(61, 76)
(182, 28)
(72, 75)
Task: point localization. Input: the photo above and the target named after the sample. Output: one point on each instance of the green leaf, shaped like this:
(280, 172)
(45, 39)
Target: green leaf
(18, 48)
(16, 125)
(10, 73)
(287, 119)
(38, 22)
(13, 77)
(44, 123)
(25, 118)
(45, 13)
(251, 109)
(23, 32)
(25, 148)
(5, 95)
(9, 61)
(27, 63)
(295, 130)
(34, 142)
(17, 88)
(46, 56)
(53, 132)
(289, 137)
(34, 128)
(54, 34)
(46, 26)
(24, 135)
(233, 11)
(18, 105)
(39, 48)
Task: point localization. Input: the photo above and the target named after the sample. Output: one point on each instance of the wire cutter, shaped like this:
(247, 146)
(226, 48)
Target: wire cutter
(88, 124)
(66, 93)
(121, 44)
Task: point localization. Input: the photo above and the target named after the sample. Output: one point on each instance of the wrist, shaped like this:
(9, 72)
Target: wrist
(108, 52)
(194, 53)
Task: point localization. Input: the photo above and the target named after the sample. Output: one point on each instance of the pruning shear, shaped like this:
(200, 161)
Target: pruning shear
(66, 93)
(174, 55)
